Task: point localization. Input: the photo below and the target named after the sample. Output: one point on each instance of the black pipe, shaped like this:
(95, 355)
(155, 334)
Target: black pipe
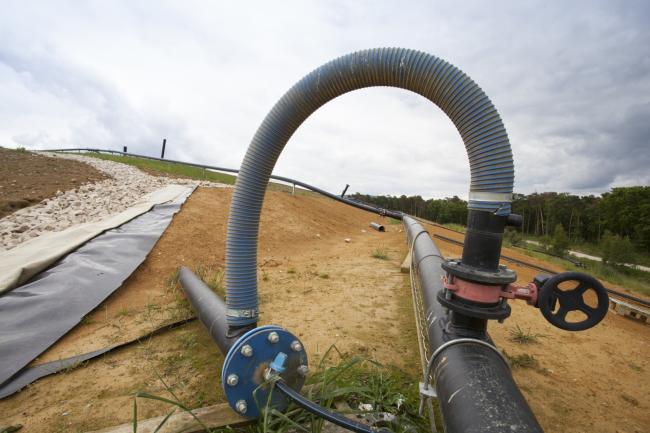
(378, 227)
(474, 385)
(209, 308)
(322, 412)
(483, 240)
(162, 154)
(345, 190)
(354, 203)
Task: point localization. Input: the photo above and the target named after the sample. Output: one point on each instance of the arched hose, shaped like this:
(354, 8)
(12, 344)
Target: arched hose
(477, 121)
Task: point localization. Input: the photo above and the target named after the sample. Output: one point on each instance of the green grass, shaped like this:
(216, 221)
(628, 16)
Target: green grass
(167, 168)
(520, 336)
(212, 276)
(631, 279)
(380, 254)
(181, 170)
(345, 384)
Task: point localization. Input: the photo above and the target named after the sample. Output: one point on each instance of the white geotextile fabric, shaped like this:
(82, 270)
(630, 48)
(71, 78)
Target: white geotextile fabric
(19, 264)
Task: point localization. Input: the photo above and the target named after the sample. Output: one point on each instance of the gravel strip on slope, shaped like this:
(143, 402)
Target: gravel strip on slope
(89, 202)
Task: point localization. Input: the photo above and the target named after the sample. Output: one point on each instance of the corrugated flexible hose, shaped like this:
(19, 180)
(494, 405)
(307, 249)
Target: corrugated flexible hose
(475, 117)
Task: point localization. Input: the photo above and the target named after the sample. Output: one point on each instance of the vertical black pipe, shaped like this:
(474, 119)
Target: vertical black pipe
(345, 190)
(483, 239)
(475, 389)
(124, 149)
(162, 154)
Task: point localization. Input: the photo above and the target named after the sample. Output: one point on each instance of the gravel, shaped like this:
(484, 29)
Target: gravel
(89, 202)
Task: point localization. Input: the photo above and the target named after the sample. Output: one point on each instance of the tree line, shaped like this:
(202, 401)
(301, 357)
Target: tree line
(624, 212)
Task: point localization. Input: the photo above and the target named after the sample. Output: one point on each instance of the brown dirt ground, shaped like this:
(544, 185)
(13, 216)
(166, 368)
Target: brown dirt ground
(27, 178)
(329, 292)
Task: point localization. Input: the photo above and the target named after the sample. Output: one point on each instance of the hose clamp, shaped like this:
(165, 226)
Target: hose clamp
(248, 314)
(492, 197)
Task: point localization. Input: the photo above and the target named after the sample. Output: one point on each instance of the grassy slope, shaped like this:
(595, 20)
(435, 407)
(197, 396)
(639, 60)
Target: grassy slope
(160, 168)
(167, 168)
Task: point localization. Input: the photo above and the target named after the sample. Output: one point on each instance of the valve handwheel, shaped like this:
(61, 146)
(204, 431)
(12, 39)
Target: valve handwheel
(572, 300)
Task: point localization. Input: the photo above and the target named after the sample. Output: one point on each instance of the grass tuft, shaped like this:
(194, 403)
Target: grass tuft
(520, 336)
(523, 360)
(380, 254)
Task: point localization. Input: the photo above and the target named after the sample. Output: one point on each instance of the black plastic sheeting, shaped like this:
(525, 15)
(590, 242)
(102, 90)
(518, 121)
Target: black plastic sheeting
(35, 315)
(28, 375)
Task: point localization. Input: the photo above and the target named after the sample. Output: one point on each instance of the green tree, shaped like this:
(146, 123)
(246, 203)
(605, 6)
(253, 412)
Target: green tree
(560, 241)
(617, 250)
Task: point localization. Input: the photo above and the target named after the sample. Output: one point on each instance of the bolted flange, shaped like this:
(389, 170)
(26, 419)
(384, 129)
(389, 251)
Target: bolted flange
(256, 357)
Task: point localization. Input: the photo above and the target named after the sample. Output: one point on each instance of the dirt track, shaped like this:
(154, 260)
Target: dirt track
(330, 292)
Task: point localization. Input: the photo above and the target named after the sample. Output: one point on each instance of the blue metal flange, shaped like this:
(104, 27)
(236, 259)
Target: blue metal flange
(249, 359)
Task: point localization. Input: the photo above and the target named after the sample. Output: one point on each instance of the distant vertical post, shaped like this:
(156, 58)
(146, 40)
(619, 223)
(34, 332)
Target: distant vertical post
(162, 154)
(345, 190)
(124, 149)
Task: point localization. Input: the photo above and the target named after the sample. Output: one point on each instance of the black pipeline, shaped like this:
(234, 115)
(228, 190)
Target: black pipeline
(473, 382)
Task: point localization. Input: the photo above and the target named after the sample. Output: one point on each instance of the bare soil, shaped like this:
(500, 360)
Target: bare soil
(27, 178)
(329, 292)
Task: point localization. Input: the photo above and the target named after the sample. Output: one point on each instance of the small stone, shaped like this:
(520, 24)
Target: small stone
(21, 229)
(347, 240)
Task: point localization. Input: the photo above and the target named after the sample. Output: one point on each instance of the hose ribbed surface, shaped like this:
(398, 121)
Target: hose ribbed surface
(478, 122)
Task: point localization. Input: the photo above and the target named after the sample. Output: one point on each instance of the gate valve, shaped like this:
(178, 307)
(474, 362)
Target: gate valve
(555, 296)
(572, 299)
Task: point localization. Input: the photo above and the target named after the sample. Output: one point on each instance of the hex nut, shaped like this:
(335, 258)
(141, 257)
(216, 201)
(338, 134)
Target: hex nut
(232, 379)
(303, 370)
(273, 337)
(247, 350)
(241, 406)
(296, 346)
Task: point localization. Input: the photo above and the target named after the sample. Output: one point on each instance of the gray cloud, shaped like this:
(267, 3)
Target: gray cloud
(571, 80)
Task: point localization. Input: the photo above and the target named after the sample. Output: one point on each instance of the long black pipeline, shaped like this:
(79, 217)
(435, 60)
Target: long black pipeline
(475, 388)
(340, 198)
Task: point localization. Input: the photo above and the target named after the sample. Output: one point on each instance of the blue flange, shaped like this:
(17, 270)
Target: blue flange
(247, 362)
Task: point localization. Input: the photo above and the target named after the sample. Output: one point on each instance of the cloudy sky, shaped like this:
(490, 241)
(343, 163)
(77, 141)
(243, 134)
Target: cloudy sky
(570, 79)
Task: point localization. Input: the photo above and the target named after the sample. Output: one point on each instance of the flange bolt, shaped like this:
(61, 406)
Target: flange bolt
(273, 337)
(232, 379)
(303, 370)
(296, 346)
(247, 351)
(241, 406)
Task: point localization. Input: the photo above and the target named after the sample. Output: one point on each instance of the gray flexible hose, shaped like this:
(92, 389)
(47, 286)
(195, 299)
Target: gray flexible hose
(477, 121)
